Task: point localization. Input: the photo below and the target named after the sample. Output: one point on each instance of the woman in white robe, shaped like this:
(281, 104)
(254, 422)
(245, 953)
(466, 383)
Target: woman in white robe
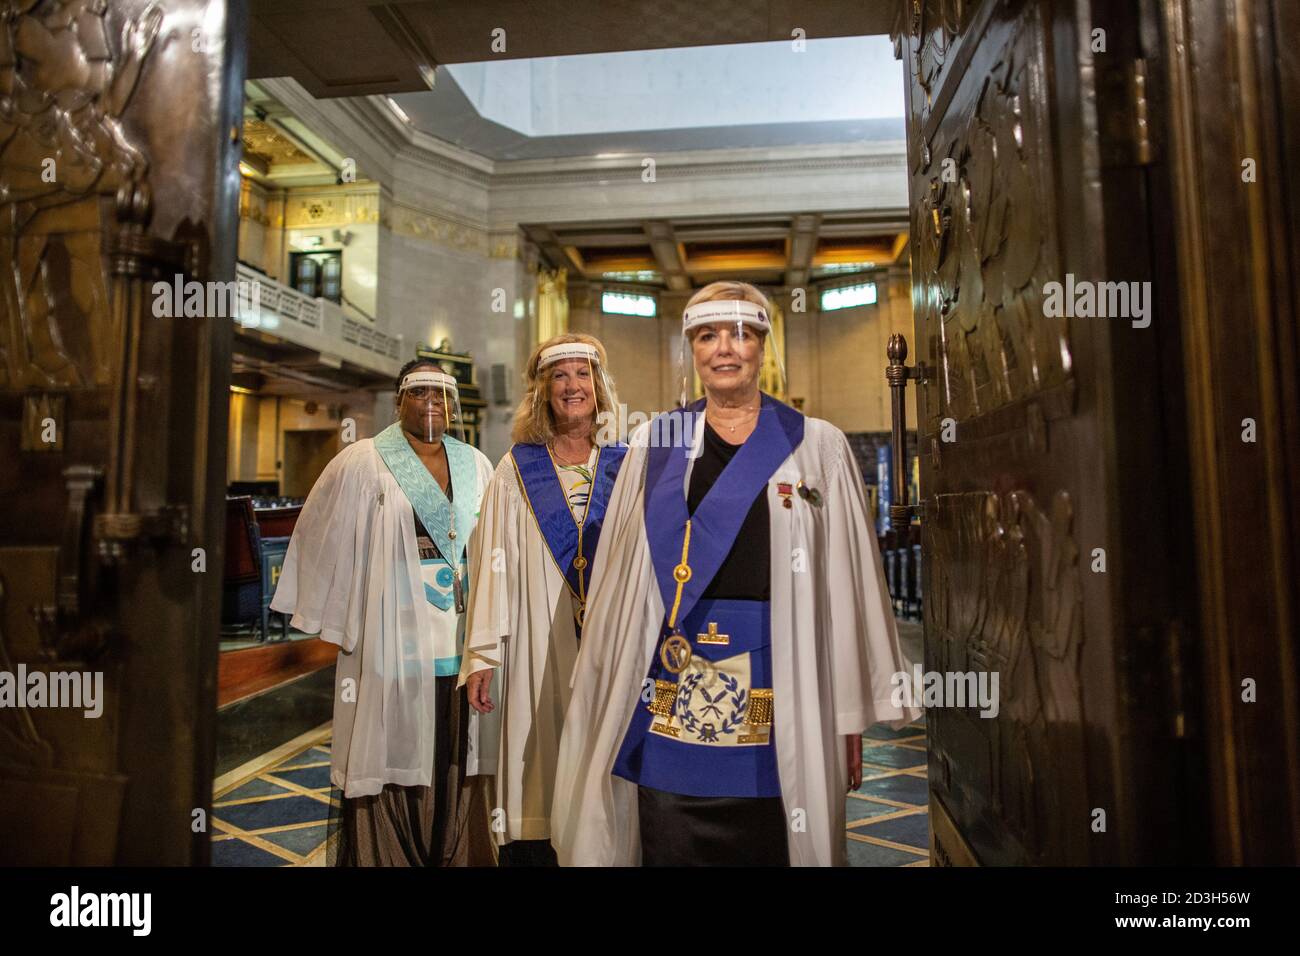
(531, 559)
(376, 566)
(833, 643)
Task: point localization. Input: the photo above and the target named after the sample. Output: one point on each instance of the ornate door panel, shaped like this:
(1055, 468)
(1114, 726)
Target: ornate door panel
(1034, 427)
(118, 168)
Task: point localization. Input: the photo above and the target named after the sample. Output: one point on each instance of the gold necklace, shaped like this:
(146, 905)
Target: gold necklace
(561, 461)
(732, 428)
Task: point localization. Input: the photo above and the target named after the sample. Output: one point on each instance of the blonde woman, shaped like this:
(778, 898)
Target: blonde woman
(531, 562)
(740, 636)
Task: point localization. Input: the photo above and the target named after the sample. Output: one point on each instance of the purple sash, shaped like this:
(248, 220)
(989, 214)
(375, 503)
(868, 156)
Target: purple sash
(550, 508)
(717, 520)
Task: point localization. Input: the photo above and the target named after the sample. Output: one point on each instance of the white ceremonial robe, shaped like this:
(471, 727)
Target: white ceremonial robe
(520, 620)
(835, 648)
(352, 575)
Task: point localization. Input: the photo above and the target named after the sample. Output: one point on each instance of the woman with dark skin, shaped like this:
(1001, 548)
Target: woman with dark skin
(377, 565)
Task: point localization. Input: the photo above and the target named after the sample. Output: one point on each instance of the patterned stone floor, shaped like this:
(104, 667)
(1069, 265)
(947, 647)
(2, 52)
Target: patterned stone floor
(888, 817)
(279, 816)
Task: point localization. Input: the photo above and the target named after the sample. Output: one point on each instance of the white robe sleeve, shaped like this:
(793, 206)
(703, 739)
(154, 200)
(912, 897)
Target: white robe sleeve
(594, 814)
(484, 732)
(493, 556)
(318, 585)
(864, 639)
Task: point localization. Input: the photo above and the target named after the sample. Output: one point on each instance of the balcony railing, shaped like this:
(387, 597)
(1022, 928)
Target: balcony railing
(315, 324)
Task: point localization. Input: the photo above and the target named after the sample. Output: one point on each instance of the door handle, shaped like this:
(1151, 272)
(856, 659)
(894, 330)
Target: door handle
(897, 375)
(73, 628)
(136, 259)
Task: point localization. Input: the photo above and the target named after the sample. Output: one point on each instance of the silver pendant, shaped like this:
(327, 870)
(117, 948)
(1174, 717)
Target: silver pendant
(459, 591)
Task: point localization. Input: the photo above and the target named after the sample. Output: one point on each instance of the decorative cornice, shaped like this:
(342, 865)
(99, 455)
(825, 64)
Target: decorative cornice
(504, 244)
(332, 206)
(428, 152)
(373, 146)
(665, 170)
(414, 223)
(743, 155)
(254, 203)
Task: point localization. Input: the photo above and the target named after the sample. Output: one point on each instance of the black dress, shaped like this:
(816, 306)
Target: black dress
(680, 830)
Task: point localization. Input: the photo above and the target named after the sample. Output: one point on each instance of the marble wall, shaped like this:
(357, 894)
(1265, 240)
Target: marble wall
(437, 249)
(838, 358)
(441, 276)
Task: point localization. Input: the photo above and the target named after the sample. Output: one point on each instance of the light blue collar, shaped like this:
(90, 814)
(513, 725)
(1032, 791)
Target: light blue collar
(430, 504)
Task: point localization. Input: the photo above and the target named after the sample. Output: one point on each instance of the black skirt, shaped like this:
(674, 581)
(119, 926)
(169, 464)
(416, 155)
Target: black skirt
(678, 830)
(419, 826)
(527, 853)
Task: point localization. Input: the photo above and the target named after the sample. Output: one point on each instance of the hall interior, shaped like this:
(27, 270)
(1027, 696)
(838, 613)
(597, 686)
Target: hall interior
(508, 199)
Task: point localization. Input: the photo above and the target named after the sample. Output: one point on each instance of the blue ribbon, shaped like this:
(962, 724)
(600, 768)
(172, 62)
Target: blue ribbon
(716, 522)
(550, 507)
(443, 596)
(424, 494)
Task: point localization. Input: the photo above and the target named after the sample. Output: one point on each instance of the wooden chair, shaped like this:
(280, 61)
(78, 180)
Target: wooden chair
(241, 580)
(277, 522)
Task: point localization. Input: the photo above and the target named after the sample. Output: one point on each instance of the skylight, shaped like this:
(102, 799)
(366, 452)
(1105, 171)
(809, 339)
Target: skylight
(832, 79)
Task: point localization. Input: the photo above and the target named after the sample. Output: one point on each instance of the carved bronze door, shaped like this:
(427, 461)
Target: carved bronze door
(1054, 509)
(118, 168)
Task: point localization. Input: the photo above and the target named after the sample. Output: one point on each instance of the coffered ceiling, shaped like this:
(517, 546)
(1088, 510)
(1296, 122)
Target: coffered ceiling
(683, 254)
(359, 47)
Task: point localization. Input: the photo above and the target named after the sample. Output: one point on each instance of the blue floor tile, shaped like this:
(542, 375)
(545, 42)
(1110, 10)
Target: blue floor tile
(898, 758)
(239, 853)
(855, 809)
(302, 842)
(273, 813)
(313, 778)
(905, 789)
(868, 854)
(913, 830)
(884, 732)
(314, 755)
(254, 788)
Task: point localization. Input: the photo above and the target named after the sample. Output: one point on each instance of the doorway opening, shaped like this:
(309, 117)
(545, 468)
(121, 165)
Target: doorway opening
(501, 199)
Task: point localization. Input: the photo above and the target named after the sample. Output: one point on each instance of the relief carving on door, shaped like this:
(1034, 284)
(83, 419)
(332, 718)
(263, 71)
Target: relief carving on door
(928, 35)
(986, 244)
(1006, 597)
(1002, 590)
(75, 204)
(63, 155)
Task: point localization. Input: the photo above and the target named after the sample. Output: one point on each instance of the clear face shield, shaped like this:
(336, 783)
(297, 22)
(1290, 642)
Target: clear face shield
(727, 347)
(576, 387)
(428, 406)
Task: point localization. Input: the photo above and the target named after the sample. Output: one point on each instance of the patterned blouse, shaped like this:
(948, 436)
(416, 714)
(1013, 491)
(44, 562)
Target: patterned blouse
(576, 481)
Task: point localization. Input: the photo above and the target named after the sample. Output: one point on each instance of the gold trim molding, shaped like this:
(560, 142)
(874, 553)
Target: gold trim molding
(332, 206)
(947, 847)
(428, 227)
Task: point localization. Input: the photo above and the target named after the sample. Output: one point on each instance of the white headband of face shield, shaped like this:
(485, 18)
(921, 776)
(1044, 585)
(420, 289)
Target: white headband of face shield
(427, 377)
(567, 350)
(726, 310)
